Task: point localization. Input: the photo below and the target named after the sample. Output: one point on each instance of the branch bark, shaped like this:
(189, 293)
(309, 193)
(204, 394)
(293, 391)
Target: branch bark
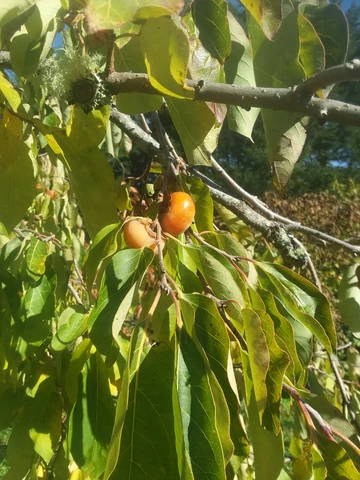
(290, 99)
(350, 71)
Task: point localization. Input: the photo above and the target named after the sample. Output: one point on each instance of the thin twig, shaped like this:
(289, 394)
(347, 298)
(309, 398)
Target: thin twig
(310, 264)
(163, 279)
(232, 258)
(75, 294)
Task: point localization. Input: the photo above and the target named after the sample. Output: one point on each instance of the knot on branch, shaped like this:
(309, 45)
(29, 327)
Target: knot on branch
(90, 92)
(293, 254)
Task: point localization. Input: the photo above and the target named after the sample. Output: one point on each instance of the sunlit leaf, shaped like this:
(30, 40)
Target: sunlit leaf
(349, 297)
(91, 175)
(105, 244)
(8, 92)
(118, 286)
(71, 325)
(312, 51)
(92, 418)
(268, 14)
(17, 187)
(36, 255)
(12, 8)
(198, 413)
(331, 25)
(109, 14)
(131, 59)
(276, 64)
(166, 62)
(239, 70)
(210, 18)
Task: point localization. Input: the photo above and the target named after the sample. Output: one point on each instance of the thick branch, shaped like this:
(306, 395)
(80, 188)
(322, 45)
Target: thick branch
(247, 97)
(131, 128)
(273, 231)
(341, 73)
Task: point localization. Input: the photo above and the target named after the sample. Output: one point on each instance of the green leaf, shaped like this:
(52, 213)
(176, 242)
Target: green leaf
(42, 16)
(268, 447)
(76, 363)
(210, 18)
(338, 464)
(91, 175)
(32, 44)
(193, 122)
(163, 321)
(38, 299)
(20, 441)
(137, 352)
(307, 296)
(36, 255)
(312, 51)
(204, 208)
(268, 14)
(220, 275)
(45, 427)
(92, 418)
(213, 337)
(130, 58)
(17, 175)
(71, 325)
(301, 300)
(331, 25)
(149, 442)
(198, 413)
(13, 8)
(121, 276)
(37, 428)
(8, 93)
(239, 70)
(111, 14)
(349, 298)
(104, 245)
(284, 332)
(166, 62)
(276, 64)
(259, 357)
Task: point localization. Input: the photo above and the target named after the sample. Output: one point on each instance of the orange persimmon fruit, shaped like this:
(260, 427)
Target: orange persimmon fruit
(179, 213)
(138, 233)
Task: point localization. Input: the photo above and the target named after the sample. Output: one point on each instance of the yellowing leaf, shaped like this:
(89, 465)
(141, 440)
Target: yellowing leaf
(91, 175)
(16, 172)
(8, 92)
(112, 13)
(267, 13)
(166, 50)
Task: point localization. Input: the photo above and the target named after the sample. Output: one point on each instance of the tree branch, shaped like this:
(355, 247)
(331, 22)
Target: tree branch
(350, 71)
(131, 128)
(289, 99)
(265, 219)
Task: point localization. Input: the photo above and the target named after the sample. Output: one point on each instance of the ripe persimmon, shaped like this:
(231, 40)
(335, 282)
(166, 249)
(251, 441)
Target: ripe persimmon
(138, 234)
(179, 213)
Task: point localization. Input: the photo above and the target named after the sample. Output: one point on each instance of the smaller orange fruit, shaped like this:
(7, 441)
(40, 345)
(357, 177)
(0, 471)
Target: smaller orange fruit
(138, 234)
(179, 215)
